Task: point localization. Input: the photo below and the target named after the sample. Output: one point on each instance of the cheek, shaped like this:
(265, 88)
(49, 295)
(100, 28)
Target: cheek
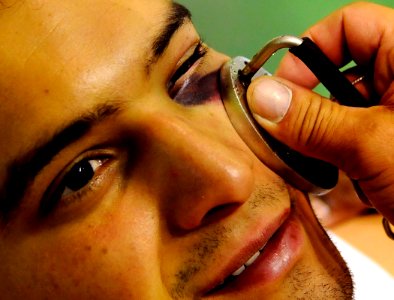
(212, 119)
(111, 254)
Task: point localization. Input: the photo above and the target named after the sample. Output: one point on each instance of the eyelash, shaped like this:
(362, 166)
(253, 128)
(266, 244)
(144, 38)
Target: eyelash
(55, 194)
(199, 52)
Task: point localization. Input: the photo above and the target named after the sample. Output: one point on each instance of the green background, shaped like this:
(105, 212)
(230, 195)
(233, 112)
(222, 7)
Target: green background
(241, 27)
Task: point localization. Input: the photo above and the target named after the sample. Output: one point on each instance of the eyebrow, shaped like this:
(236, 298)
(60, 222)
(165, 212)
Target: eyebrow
(23, 170)
(177, 16)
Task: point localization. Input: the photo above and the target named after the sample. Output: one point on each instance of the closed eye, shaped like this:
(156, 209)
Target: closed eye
(176, 81)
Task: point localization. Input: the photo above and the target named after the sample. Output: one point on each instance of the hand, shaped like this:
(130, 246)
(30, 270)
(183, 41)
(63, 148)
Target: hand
(338, 205)
(360, 141)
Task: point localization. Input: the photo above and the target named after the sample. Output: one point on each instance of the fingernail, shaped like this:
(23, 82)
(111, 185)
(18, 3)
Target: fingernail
(270, 100)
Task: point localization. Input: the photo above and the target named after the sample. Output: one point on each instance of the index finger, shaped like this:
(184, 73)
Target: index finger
(361, 32)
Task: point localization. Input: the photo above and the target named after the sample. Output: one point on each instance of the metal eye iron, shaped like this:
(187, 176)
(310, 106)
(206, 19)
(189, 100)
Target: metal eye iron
(308, 174)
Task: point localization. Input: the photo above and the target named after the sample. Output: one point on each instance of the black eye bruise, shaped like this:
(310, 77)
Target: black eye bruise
(203, 89)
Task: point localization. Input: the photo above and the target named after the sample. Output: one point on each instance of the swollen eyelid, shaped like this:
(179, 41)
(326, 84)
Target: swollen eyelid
(199, 51)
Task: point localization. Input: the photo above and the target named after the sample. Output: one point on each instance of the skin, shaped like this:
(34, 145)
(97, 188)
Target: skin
(176, 193)
(357, 140)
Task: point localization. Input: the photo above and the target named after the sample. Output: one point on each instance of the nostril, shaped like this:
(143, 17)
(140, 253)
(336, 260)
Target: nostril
(219, 212)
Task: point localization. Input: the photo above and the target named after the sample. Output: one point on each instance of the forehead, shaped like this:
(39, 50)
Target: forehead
(56, 53)
(63, 37)
(70, 30)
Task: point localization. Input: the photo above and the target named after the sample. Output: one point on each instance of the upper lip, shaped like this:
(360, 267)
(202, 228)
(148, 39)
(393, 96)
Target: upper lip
(257, 239)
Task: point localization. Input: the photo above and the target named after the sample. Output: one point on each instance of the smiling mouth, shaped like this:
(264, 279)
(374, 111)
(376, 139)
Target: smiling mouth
(236, 273)
(281, 249)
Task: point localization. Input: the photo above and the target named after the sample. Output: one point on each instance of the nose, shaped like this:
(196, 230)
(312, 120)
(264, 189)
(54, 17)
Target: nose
(199, 174)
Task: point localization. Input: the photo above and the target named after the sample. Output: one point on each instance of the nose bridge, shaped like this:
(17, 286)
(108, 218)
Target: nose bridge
(197, 172)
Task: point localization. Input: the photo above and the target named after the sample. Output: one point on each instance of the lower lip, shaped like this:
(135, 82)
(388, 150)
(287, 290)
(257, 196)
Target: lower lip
(276, 260)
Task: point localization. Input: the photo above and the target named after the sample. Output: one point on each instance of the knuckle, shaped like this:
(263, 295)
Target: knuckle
(315, 123)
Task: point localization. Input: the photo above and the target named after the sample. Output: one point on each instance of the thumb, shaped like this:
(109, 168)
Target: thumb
(303, 120)
(359, 141)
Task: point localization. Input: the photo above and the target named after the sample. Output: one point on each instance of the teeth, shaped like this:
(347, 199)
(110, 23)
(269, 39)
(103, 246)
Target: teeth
(252, 259)
(239, 271)
(247, 264)
(261, 249)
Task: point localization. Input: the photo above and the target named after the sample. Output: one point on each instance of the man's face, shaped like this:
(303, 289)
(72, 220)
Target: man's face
(121, 175)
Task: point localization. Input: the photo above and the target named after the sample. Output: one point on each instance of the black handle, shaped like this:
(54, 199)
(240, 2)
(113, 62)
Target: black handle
(328, 74)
